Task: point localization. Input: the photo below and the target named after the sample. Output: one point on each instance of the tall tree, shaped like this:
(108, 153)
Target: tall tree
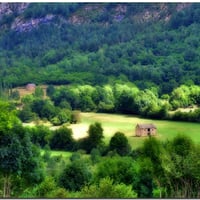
(119, 143)
(95, 137)
(16, 150)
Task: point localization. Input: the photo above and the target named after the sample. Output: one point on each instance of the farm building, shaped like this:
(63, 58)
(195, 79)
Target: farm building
(30, 87)
(145, 130)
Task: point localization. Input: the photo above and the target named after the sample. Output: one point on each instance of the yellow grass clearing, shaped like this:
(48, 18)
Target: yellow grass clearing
(38, 122)
(189, 109)
(79, 130)
(111, 123)
(23, 91)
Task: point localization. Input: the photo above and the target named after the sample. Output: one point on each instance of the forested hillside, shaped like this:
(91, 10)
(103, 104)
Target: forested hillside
(139, 62)
(150, 44)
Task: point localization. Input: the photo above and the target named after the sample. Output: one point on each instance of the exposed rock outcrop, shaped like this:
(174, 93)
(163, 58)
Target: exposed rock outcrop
(21, 25)
(9, 8)
(87, 13)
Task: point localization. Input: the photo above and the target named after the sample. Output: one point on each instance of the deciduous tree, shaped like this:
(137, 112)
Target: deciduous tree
(16, 151)
(119, 143)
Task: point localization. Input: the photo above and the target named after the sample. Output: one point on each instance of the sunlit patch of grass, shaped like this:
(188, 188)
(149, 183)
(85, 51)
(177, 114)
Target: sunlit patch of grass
(112, 123)
(64, 154)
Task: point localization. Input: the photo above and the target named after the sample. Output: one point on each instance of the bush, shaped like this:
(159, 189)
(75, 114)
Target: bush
(39, 135)
(94, 140)
(47, 189)
(95, 155)
(75, 156)
(26, 114)
(62, 139)
(119, 169)
(119, 143)
(76, 118)
(107, 189)
(75, 176)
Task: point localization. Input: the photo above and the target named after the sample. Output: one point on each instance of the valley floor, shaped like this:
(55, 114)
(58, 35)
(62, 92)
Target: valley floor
(112, 123)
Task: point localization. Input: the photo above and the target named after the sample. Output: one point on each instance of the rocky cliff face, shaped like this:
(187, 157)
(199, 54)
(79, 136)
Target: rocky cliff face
(22, 25)
(10, 8)
(87, 13)
(17, 22)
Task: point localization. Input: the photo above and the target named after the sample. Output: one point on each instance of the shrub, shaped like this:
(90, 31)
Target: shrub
(62, 139)
(119, 143)
(107, 189)
(75, 176)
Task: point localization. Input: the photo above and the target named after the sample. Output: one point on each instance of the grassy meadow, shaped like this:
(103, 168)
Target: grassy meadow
(64, 154)
(112, 123)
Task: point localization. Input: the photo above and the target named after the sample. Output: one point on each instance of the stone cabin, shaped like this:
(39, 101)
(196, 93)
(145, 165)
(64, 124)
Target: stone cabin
(30, 87)
(145, 130)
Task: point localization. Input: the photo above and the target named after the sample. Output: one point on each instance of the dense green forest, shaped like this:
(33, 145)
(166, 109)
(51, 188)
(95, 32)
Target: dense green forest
(64, 102)
(93, 169)
(104, 46)
(127, 58)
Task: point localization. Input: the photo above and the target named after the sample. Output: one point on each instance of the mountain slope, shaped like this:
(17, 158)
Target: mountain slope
(150, 44)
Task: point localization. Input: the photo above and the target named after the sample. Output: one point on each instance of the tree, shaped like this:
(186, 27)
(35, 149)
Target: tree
(124, 98)
(119, 169)
(181, 164)
(107, 189)
(87, 104)
(62, 139)
(152, 154)
(144, 182)
(147, 103)
(152, 149)
(75, 156)
(180, 97)
(46, 189)
(50, 90)
(95, 155)
(40, 135)
(182, 145)
(75, 176)
(64, 116)
(16, 151)
(95, 137)
(26, 114)
(105, 98)
(39, 92)
(96, 133)
(44, 108)
(119, 143)
(15, 95)
(76, 117)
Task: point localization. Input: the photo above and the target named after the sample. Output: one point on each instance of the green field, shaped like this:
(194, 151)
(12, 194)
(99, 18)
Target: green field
(112, 123)
(64, 154)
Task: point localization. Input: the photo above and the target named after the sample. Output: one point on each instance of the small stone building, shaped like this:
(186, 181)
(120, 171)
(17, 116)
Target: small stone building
(145, 130)
(30, 87)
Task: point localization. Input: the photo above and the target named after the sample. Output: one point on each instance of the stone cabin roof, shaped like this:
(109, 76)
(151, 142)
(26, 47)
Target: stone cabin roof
(146, 126)
(31, 85)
